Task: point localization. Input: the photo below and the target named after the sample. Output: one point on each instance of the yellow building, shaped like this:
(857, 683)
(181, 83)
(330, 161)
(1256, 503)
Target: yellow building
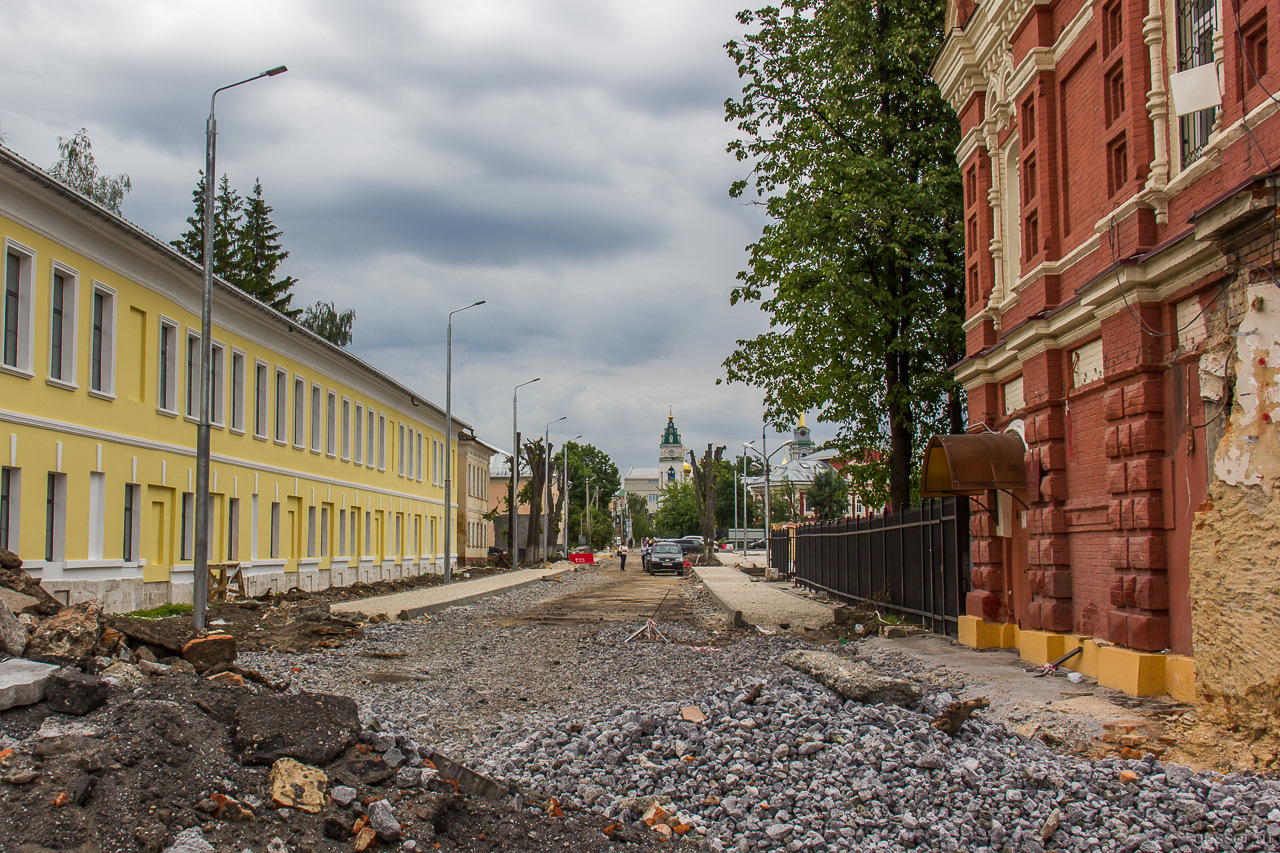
(324, 470)
(474, 530)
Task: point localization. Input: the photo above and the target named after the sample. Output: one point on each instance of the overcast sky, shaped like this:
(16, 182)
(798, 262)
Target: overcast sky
(562, 159)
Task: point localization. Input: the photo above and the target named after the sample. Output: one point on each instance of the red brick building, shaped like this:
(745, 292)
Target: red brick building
(1111, 245)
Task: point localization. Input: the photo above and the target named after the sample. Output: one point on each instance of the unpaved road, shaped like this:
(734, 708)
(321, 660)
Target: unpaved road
(622, 597)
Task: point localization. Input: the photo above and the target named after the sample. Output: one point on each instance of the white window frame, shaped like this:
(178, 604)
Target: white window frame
(371, 439)
(342, 532)
(407, 452)
(282, 406)
(192, 355)
(97, 526)
(358, 448)
(299, 412)
(420, 463)
(238, 398)
(55, 550)
(382, 442)
(11, 502)
(275, 530)
(331, 425)
(187, 528)
(218, 387)
(400, 455)
(261, 398)
(324, 530)
(65, 367)
(131, 524)
(23, 325)
(346, 429)
(317, 394)
(311, 532)
(233, 529)
(102, 346)
(167, 368)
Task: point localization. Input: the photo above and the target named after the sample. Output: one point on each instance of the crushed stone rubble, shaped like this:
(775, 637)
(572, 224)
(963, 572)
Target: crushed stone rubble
(793, 767)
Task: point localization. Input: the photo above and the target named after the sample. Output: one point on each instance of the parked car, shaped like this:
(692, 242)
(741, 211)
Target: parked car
(690, 544)
(758, 545)
(666, 557)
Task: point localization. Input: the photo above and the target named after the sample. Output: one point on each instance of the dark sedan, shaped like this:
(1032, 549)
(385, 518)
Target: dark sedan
(665, 557)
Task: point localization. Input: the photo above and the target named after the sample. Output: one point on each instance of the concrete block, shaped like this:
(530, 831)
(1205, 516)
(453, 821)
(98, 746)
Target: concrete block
(22, 682)
(1133, 672)
(1041, 647)
(1180, 677)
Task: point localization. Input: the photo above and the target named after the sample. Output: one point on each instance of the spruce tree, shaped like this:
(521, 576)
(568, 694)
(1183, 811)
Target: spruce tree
(260, 254)
(226, 219)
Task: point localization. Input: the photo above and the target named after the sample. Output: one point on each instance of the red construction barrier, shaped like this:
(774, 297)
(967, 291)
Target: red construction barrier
(587, 559)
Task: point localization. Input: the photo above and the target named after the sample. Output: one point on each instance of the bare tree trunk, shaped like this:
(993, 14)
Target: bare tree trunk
(704, 492)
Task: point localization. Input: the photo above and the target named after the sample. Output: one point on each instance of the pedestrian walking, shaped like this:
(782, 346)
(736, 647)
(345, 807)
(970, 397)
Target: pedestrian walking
(622, 555)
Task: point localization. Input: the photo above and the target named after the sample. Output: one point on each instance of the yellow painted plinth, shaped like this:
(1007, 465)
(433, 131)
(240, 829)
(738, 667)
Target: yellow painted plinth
(1041, 647)
(977, 633)
(1127, 670)
(1133, 672)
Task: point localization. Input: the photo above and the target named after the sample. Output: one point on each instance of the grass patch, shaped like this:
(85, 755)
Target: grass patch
(162, 611)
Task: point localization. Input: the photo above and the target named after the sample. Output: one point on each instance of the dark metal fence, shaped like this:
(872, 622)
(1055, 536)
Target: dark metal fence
(914, 563)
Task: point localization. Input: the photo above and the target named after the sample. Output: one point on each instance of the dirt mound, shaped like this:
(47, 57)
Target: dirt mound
(161, 761)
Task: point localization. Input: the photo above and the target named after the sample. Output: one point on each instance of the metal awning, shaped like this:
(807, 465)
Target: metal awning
(971, 464)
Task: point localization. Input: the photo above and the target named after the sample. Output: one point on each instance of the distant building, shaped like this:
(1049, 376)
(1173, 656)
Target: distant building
(672, 468)
(472, 483)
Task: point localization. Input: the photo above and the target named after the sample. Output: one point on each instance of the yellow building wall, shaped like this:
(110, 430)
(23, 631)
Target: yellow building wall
(97, 443)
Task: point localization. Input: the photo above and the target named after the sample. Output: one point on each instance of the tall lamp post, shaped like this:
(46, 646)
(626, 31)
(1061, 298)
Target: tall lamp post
(564, 530)
(448, 438)
(764, 458)
(546, 484)
(513, 528)
(200, 555)
(587, 507)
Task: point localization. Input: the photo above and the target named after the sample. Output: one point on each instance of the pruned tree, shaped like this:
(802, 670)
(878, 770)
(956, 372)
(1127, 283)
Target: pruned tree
(850, 147)
(77, 169)
(534, 452)
(704, 490)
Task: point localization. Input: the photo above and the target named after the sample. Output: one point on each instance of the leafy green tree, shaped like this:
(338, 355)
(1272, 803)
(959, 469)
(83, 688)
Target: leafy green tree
(677, 513)
(641, 521)
(261, 254)
(850, 147)
(327, 322)
(828, 496)
(77, 169)
(730, 478)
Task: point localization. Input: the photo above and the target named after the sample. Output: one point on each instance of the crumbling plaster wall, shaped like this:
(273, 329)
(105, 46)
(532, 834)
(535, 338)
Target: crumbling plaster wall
(1235, 546)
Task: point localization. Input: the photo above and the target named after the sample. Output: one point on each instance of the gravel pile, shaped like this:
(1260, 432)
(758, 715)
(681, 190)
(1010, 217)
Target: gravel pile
(574, 713)
(802, 770)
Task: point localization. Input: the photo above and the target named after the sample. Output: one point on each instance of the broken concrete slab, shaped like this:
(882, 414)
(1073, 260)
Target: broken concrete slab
(314, 728)
(22, 682)
(853, 680)
(13, 634)
(70, 691)
(469, 781)
(72, 633)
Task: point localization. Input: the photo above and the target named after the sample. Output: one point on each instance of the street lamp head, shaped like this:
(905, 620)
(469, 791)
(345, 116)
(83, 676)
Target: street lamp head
(481, 302)
(279, 69)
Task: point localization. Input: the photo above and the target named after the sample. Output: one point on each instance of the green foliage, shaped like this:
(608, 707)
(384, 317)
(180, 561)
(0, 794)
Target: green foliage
(730, 478)
(677, 511)
(327, 322)
(828, 496)
(587, 460)
(850, 147)
(258, 240)
(641, 522)
(163, 611)
(77, 169)
(247, 253)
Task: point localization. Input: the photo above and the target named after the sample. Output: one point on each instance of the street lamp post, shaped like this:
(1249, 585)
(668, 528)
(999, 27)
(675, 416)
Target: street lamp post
(564, 531)
(546, 484)
(513, 528)
(200, 555)
(448, 437)
(764, 458)
(587, 507)
(746, 507)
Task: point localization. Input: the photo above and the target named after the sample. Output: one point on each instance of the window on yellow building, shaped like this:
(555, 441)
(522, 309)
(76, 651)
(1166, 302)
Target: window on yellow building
(102, 342)
(17, 308)
(237, 391)
(282, 404)
(193, 374)
(359, 436)
(260, 414)
(315, 418)
(10, 502)
(217, 385)
(167, 366)
(299, 412)
(62, 326)
(331, 425)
